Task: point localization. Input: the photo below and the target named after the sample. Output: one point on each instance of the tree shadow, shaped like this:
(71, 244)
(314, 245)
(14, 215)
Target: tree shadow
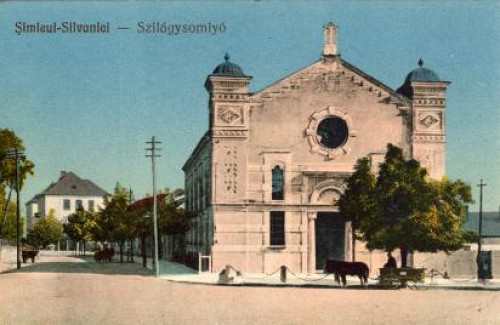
(83, 264)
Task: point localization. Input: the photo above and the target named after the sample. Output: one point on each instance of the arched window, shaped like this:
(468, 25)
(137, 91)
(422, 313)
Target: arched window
(278, 184)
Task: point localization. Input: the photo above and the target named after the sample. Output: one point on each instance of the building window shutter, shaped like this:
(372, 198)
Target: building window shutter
(277, 230)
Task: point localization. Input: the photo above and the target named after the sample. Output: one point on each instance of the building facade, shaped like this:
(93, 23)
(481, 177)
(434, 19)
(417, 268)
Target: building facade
(263, 179)
(64, 196)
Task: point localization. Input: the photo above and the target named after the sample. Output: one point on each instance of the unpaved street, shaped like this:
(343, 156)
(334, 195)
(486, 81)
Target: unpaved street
(66, 290)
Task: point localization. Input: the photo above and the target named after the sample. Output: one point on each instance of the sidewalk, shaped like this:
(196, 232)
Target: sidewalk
(180, 273)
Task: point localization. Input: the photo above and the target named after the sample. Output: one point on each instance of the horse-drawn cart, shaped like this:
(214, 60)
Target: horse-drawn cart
(400, 277)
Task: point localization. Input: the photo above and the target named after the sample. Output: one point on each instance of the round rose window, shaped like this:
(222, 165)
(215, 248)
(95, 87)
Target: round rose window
(332, 132)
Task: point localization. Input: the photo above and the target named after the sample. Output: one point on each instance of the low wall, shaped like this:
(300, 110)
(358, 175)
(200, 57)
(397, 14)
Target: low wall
(458, 265)
(8, 253)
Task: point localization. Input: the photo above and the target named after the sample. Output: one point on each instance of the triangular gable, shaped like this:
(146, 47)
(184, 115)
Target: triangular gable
(349, 71)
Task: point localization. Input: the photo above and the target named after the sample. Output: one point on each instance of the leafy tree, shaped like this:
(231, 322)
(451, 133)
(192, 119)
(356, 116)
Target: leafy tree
(447, 215)
(8, 226)
(47, 230)
(172, 220)
(114, 222)
(9, 141)
(411, 212)
(402, 196)
(79, 226)
(143, 227)
(121, 190)
(357, 202)
(125, 223)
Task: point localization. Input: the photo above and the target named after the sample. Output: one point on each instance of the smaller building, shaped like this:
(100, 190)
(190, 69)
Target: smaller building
(170, 246)
(64, 196)
(491, 225)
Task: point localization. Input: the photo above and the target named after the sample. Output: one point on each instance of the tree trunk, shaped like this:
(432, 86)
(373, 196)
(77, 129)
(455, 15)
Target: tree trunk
(153, 252)
(160, 247)
(404, 256)
(143, 250)
(131, 251)
(121, 250)
(353, 245)
(84, 249)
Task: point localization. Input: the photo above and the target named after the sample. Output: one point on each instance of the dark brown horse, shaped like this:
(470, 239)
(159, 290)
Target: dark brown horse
(26, 254)
(340, 269)
(105, 255)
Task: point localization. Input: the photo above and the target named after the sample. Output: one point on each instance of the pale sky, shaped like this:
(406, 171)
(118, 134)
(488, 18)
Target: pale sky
(88, 103)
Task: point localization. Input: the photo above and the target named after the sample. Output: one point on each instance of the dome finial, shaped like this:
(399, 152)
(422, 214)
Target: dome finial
(226, 57)
(420, 62)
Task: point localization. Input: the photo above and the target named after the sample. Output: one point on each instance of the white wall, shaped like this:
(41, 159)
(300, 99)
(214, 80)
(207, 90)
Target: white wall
(55, 202)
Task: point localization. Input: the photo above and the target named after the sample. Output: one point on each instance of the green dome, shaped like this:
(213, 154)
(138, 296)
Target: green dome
(421, 74)
(228, 69)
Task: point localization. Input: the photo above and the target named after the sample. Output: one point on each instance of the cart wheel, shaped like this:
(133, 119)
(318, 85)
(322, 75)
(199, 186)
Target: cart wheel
(391, 281)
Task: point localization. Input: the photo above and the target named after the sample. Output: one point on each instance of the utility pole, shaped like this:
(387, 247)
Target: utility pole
(479, 260)
(152, 154)
(17, 154)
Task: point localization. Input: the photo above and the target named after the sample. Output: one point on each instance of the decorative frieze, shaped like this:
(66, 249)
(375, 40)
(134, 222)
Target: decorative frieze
(231, 169)
(229, 133)
(429, 138)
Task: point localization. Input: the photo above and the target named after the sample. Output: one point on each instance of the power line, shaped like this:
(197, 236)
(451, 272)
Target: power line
(17, 155)
(480, 273)
(152, 153)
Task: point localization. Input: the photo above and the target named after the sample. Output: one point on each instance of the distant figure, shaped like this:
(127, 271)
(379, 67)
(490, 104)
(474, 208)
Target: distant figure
(391, 261)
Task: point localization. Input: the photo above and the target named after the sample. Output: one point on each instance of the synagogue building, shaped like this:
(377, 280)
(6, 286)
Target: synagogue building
(263, 180)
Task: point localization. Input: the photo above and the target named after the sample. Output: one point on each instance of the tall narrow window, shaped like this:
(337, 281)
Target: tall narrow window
(277, 190)
(91, 206)
(78, 204)
(277, 231)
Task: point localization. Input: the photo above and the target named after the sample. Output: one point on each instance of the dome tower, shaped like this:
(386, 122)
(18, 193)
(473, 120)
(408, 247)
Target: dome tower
(229, 97)
(427, 93)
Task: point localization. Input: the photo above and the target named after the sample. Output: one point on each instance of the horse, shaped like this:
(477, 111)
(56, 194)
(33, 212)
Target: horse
(106, 255)
(340, 269)
(99, 256)
(29, 254)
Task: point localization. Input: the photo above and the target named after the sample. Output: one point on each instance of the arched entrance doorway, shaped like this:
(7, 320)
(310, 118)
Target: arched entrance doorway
(327, 227)
(330, 238)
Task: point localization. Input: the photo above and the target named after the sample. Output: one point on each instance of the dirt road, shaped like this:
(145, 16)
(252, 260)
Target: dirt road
(65, 290)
